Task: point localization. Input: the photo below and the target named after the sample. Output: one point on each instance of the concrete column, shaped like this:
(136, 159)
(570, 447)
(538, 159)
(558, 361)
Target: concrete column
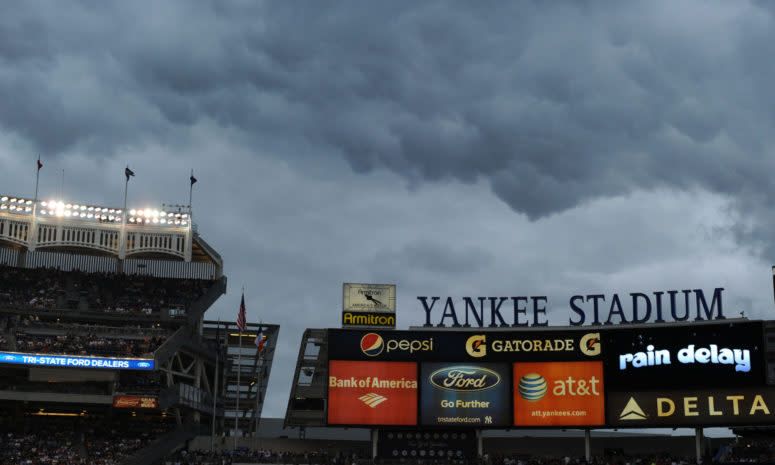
(587, 444)
(479, 448)
(374, 440)
(698, 444)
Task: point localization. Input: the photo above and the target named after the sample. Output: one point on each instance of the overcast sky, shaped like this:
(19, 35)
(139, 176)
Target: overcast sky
(450, 148)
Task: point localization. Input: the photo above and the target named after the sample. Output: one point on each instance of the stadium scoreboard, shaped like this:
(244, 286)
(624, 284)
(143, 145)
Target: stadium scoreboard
(709, 374)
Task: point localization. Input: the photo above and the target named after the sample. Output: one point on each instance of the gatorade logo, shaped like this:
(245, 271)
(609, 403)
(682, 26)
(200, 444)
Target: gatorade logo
(372, 344)
(590, 344)
(475, 346)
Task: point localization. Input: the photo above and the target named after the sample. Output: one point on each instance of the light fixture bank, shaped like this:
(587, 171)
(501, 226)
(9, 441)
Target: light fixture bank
(595, 309)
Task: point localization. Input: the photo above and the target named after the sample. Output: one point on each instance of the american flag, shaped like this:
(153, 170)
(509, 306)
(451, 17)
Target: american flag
(241, 322)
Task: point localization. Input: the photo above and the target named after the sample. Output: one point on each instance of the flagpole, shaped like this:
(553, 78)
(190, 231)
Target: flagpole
(190, 191)
(215, 384)
(34, 237)
(122, 245)
(239, 370)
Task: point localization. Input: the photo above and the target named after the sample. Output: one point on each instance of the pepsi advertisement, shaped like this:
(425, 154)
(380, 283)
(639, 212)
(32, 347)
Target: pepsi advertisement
(475, 346)
(76, 362)
(465, 394)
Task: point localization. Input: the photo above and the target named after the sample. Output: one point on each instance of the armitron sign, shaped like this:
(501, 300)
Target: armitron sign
(368, 319)
(692, 408)
(369, 306)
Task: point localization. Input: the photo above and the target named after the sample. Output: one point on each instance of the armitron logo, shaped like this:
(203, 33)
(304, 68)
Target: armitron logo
(372, 399)
(372, 344)
(464, 379)
(475, 346)
(590, 344)
(632, 411)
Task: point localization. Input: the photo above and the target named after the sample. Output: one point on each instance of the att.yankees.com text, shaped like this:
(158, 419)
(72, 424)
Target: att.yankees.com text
(559, 413)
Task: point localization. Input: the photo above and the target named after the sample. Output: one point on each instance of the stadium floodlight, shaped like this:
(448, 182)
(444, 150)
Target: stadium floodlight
(4, 198)
(156, 213)
(68, 213)
(90, 215)
(83, 207)
(155, 220)
(69, 205)
(3, 206)
(118, 212)
(43, 203)
(12, 207)
(184, 215)
(29, 202)
(13, 200)
(111, 217)
(112, 210)
(91, 209)
(28, 209)
(163, 221)
(133, 212)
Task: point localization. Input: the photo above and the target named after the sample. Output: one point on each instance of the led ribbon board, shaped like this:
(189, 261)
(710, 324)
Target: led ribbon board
(77, 362)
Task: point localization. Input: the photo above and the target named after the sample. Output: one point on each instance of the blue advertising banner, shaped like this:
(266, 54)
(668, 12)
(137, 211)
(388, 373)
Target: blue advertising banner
(465, 394)
(77, 362)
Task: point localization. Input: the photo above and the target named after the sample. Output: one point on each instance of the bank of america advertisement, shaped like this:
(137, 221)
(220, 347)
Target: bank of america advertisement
(465, 394)
(372, 393)
(559, 394)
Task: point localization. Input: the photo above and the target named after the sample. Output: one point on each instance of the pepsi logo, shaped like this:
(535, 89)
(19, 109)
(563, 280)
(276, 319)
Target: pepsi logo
(372, 344)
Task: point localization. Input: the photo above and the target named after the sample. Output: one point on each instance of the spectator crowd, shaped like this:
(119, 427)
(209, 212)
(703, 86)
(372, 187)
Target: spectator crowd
(50, 289)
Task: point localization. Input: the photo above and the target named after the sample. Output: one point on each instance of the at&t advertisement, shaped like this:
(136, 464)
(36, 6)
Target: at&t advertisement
(558, 394)
(465, 394)
(372, 393)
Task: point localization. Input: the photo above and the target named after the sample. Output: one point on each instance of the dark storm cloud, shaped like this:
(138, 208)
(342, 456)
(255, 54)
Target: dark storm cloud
(554, 104)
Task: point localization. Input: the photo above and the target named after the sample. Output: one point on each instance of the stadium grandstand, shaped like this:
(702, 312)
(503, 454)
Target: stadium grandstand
(105, 354)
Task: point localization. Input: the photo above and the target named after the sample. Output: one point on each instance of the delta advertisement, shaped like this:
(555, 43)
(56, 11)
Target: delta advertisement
(692, 408)
(684, 357)
(465, 394)
(442, 346)
(559, 394)
(79, 362)
(372, 393)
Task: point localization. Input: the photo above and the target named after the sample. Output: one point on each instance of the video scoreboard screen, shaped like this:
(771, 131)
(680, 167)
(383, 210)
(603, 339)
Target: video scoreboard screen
(652, 376)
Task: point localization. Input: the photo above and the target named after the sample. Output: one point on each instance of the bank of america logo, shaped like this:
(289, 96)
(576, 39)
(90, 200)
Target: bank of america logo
(632, 411)
(372, 399)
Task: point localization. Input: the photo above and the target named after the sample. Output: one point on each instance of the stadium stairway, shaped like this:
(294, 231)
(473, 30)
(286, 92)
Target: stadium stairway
(198, 308)
(166, 444)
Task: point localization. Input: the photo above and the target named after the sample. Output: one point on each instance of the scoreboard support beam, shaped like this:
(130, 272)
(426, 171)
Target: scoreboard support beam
(698, 444)
(374, 438)
(479, 450)
(587, 444)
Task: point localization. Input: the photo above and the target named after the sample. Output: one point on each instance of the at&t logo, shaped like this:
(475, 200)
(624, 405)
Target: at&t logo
(532, 387)
(372, 344)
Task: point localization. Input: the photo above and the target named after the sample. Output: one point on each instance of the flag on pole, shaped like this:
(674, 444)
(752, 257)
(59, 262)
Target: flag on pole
(192, 178)
(241, 321)
(128, 173)
(260, 340)
(40, 165)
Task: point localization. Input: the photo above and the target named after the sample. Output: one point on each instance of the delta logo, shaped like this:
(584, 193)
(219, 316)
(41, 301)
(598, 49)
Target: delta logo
(558, 394)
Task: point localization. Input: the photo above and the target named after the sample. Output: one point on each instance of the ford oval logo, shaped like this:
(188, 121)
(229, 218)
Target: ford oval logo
(463, 378)
(143, 364)
(9, 357)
